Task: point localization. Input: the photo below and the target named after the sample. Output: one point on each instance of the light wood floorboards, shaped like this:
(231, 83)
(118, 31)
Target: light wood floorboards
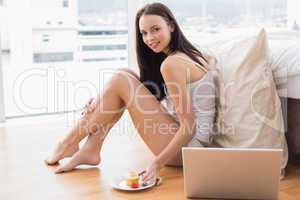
(23, 174)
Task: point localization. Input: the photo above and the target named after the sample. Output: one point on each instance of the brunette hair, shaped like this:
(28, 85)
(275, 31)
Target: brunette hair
(149, 62)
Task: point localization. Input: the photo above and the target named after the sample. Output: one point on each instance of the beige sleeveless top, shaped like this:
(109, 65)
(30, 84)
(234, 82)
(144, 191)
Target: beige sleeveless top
(203, 95)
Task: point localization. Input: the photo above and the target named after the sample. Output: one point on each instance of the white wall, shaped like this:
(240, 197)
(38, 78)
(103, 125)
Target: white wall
(293, 12)
(2, 111)
(20, 33)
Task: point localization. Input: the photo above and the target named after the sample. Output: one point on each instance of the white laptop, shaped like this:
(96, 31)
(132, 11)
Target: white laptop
(231, 173)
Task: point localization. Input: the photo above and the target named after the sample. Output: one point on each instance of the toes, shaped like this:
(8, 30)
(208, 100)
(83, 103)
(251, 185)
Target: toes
(79, 158)
(50, 161)
(63, 168)
(70, 165)
(59, 170)
(60, 153)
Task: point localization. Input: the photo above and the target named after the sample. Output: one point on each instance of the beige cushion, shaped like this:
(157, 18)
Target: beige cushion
(249, 109)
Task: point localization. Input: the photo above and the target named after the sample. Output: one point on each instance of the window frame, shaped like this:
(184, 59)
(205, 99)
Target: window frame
(132, 7)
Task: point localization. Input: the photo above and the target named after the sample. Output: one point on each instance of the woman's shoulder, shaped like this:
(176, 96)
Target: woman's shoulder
(174, 61)
(187, 57)
(175, 65)
(180, 57)
(178, 54)
(176, 58)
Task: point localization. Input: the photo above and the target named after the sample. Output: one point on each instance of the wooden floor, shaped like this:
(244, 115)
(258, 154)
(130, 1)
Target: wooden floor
(23, 174)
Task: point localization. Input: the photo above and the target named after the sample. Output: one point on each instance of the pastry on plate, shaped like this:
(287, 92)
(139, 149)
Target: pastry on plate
(132, 179)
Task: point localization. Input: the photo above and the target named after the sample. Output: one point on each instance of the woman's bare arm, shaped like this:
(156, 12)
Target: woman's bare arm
(175, 74)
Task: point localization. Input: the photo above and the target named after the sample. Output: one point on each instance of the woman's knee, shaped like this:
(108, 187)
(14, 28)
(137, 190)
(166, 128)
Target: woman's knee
(123, 76)
(128, 71)
(123, 79)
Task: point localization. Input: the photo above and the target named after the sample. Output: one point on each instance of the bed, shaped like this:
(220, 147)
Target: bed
(285, 61)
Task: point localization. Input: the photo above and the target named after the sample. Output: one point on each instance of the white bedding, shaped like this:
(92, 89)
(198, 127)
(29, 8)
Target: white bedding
(293, 87)
(289, 87)
(285, 62)
(284, 58)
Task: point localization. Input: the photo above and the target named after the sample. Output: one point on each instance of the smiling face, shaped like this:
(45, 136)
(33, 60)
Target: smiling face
(156, 32)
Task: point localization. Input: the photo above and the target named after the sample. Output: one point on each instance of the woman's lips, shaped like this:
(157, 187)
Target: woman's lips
(154, 45)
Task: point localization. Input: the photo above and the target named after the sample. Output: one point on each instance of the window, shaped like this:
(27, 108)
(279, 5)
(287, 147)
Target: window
(204, 21)
(103, 32)
(102, 27)
(65, 3)
(70, 42)
(103, 47)
(58, 52)
(53, 57)
(103, 59)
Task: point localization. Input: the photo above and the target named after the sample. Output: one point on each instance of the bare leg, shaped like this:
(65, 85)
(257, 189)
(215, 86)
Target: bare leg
(62, 151)
(146, 113)
(88, 154)
(91, 123)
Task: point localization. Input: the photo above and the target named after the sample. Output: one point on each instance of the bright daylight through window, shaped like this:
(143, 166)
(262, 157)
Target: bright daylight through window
(53, 59)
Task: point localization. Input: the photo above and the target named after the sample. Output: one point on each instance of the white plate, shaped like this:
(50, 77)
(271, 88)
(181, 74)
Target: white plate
(120, 184)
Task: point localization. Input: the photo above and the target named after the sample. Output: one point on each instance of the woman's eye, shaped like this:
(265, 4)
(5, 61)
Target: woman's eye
(156, 29)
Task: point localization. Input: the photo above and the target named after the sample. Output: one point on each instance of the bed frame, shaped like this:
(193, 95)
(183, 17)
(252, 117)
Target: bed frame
(293, 126)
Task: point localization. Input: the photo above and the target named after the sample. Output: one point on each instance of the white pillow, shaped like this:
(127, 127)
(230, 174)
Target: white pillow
(249, 111)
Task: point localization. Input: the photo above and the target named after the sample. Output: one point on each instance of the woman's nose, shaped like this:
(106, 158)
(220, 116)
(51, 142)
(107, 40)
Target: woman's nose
(149, 37)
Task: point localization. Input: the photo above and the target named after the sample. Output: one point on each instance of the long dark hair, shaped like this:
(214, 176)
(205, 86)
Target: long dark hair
(149, 62)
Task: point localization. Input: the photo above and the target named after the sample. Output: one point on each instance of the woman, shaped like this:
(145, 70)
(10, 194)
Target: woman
(172, 72)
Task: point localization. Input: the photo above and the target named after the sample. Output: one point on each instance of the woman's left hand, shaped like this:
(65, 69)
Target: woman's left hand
(152, 172)
(89, 106)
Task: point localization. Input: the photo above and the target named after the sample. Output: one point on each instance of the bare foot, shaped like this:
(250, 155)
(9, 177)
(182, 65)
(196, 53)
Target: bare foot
(86, 155)
(62, 151)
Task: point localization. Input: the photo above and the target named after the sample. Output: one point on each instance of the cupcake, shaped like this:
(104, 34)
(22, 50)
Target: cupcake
(132, 179)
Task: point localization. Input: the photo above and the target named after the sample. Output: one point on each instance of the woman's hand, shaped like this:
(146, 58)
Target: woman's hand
(89, 107)
(152, 172)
